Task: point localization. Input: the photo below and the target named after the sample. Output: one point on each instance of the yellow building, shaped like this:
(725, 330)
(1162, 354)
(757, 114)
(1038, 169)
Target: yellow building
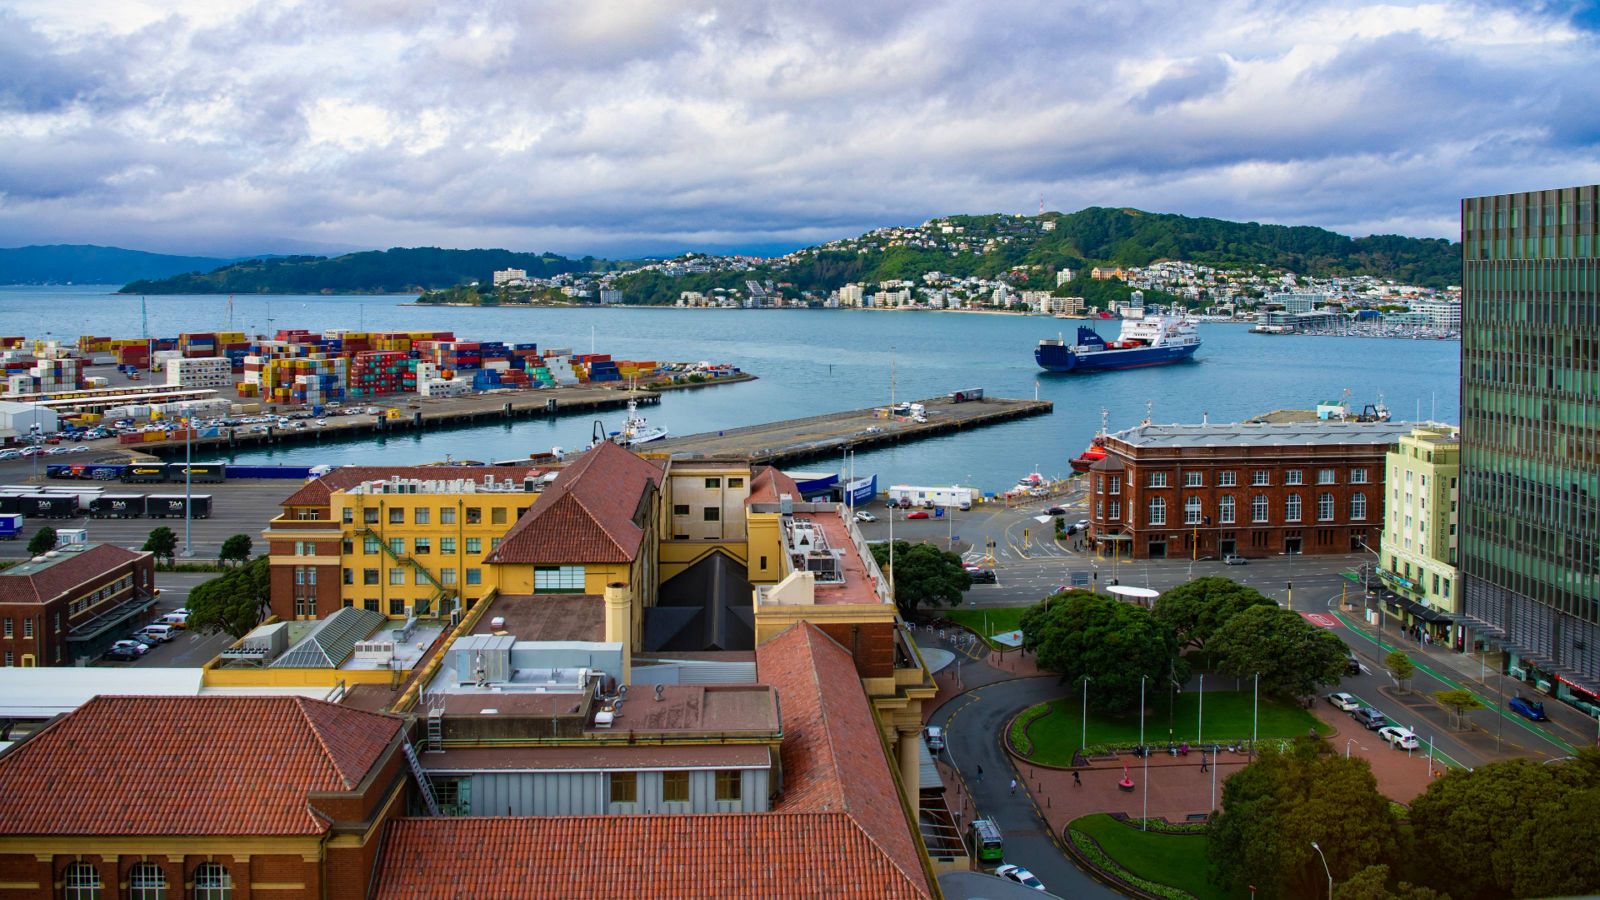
(1418, 550)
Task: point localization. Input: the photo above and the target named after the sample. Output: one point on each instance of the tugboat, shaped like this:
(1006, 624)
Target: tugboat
(635, 430)
(1151, 340)
(1096, 450)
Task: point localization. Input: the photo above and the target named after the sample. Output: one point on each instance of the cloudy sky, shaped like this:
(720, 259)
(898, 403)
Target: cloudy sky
(647, 126)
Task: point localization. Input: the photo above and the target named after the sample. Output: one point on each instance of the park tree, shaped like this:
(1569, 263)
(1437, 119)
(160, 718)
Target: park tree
(1372, 883)
(1458, 702)
(1081, 634)
(1401, 667)
(1292, 656)
(923, 574)
(1555, 848)
(234, 602)
(42, 542)
(162, 543)
(1464, 820)
(1194, 611)
(1275, 807)
(236, 549)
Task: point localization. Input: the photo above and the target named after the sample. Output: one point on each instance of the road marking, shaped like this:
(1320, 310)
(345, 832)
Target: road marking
(1320, 620)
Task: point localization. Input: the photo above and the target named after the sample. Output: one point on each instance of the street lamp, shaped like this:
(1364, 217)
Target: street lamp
(1083, 734)
(1347, 747)
(1324, 868)
(1144, 821)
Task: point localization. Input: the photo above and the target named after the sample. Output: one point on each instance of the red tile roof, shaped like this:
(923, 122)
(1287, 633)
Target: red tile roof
(586, 515)
(188, 766)
(689, 856)
(31, 583)
(318, 491)
(833, 759)
(768, 483)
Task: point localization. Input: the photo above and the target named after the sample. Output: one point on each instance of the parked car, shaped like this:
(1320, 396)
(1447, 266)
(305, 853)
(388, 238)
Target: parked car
(1019, 875)
(160, 632)
(1346, 702)
(934, 735)
(1399, 738)
(864, 516)
(120, 654)
(1527, 708)
(1370, 719)
(1080, 525)
(176, 618)
(127, 650)
(1234, 559)
(917, 514)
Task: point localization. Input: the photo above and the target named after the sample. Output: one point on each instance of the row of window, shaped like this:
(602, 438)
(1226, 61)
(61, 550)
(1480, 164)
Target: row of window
(423, 515)
(397, 576)
(86, 602)
(1258, 478)
(397, 546)
(1227, 510)
(709, 513)
(146, 881)
(733, 483)
(675, 786)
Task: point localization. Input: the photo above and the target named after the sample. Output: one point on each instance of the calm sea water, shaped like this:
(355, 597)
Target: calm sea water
(815, 361)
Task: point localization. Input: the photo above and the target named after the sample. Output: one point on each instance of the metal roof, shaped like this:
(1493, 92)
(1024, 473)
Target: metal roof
(1251, 434)
(333, 641)
(47, 691)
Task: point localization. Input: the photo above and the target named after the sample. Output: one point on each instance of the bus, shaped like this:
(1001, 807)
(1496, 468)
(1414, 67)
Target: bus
(987, 846)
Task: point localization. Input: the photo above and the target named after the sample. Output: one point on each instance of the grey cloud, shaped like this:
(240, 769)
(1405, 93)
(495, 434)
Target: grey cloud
(1187, 81)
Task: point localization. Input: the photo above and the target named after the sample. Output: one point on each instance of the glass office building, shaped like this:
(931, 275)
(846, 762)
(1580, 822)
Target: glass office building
(1530, 435)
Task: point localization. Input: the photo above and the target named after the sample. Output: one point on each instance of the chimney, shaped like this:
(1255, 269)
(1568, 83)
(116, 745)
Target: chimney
(619, 624)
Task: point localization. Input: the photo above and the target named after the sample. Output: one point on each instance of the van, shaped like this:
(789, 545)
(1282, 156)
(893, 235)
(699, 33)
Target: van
(177, 619)
(935, 738)
(159, 632)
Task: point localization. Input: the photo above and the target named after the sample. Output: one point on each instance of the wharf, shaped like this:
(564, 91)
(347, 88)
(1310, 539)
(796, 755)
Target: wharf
(795, 440)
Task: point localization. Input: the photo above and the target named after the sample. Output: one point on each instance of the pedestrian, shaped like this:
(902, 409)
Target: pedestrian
(1013, 785)
(1076, 781)
(980, 774)
(1204, 766)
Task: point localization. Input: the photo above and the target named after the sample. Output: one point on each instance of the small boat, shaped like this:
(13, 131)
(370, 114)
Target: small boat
(1096, 450)
(635, 430)
(1030, 482)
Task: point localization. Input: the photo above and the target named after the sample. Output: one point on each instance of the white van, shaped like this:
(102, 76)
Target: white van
(177, 619)
(159, 632)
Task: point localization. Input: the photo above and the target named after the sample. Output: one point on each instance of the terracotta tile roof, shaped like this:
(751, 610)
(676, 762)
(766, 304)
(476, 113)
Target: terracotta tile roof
(688, 856)
(833, 759)
(188, 766)
(586, 515)
(317, 491)
(35, 583)
(768, 483)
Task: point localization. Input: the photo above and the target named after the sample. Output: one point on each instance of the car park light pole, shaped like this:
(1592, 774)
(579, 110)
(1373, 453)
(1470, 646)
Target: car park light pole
(188, 481)
(1325, 868)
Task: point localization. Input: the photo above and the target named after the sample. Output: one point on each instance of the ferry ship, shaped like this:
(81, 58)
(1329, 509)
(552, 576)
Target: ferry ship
(1151, 340)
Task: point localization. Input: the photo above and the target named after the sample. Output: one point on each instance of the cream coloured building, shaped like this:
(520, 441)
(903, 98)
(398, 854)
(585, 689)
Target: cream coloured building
(1418, 550)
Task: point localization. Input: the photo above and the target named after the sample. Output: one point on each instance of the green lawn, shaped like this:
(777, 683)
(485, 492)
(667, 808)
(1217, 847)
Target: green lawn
(986, 622)
(1055, 734)
(1176, 860)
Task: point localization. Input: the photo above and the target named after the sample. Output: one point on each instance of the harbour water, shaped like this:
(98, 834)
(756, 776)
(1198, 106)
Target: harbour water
(810, 362)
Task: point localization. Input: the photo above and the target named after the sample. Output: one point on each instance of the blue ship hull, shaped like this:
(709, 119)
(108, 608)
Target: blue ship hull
(1056, 358)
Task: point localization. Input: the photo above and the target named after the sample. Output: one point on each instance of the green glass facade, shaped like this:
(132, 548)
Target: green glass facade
(1530, 434)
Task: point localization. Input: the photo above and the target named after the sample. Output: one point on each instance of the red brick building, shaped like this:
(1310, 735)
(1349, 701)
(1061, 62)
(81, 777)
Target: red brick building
(200, 797)
(1207, 491)
(71, 604)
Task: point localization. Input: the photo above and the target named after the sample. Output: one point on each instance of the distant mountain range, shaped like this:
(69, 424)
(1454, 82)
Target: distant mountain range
(89, 264)
(398, 270)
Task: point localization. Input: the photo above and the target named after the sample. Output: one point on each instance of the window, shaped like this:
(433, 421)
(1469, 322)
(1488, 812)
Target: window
(1228, 479)
(1325, 507)
(422, 515)
(729, 784)
(454, 795)
(1293, 476)
(474, 545)
(1326, 476)
(397, 546)
(1191, 511)
(146, 881)
(369, 545)
(1447, 589)
(446, 576)
(1158, 511)
(81, 881)
(370, 604)
(9, 660)
(8, 628)
(712, 513)
(347, 545)
(1116, 484)
(474, 576)
(680, 509)
(494, 544)
(675, 787)
(447, 515)
(1158, 480)
(1194, 479)
(1358, 506)
(1291, 508)
(735, 483)
(1116, 510)
(419, 577)
(422, 546)
(349, 576)
(397, 516)
(558, 579)
(397, 576)
(497, 516)
(212, 882)
(447, 546)
(1258, 508)
(624, 787)
(347, 515)
(1358, 476)
(713, 483)
(474, 515)
(1260, 478)
(369, 576)
(1225, 510)
(397, 606)
(369, 517)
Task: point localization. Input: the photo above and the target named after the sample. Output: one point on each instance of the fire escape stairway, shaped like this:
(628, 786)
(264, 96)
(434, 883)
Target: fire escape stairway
(441, 593)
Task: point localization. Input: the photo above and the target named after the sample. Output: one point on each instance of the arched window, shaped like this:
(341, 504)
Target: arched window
(1225, 509)
(146, 881)
(1291, 508)
(212, 882)
(1258, 508)
(1191, 511)
(1325, 507)
(1158, 511)
(1358, 506)
(82, 882)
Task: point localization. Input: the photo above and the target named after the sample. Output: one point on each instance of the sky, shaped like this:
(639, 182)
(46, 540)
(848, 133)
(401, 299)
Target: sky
(634, 127)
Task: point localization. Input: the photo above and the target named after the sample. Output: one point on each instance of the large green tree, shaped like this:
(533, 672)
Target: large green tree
(1080, 633)
(1372, 883)
(1292, 656)
(234, 602)
(1194, 611)
(235, 549)
(162, 543)
(1275, 807)
(42, 542)
(923, 574)
(1556, 853)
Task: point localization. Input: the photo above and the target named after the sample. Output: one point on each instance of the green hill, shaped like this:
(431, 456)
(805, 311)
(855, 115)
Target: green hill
(399, 270)
(89, 264)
